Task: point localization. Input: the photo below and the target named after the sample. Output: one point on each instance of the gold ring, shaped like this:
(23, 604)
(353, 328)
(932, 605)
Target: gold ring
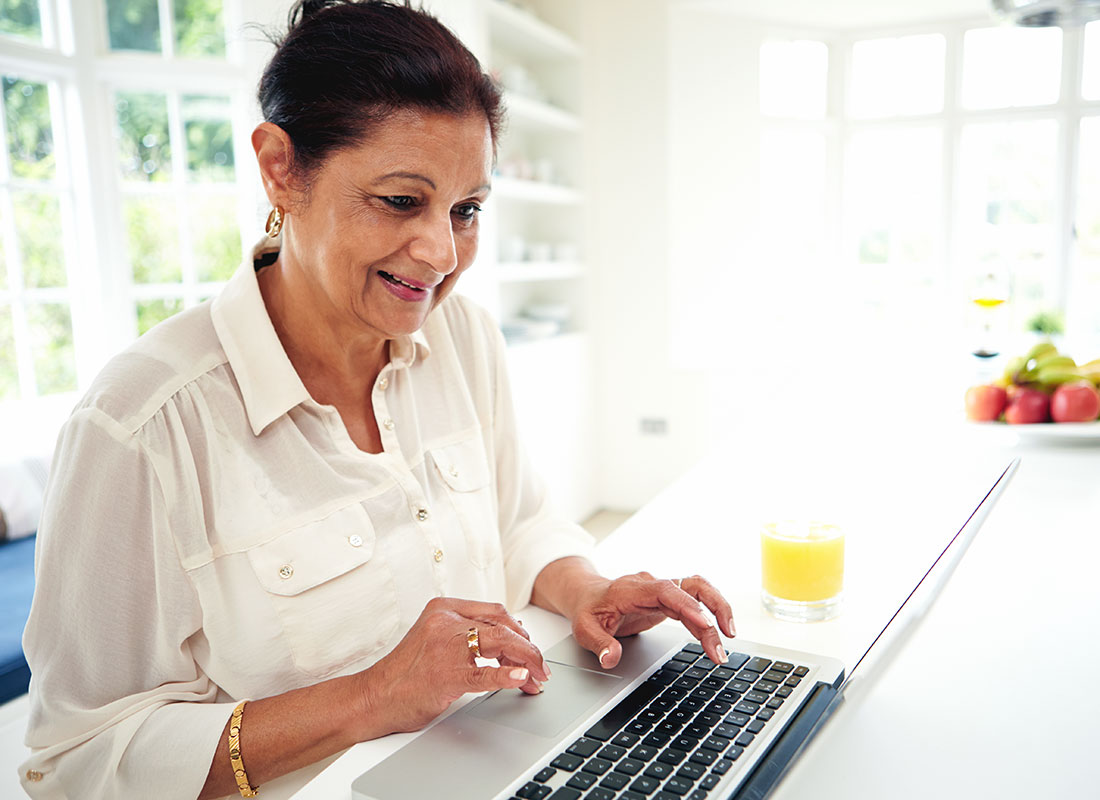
(472, 642)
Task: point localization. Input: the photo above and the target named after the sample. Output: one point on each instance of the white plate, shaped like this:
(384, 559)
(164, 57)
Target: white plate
(1049, 431)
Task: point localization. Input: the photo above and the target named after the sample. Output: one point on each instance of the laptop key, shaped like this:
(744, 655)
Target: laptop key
(612, 752)
(737, 719)
(565, 793)
(567, 761)
(626, 739)
(767, 687)
(600, 793)
(719, 707)
(745, 707)
(677, 786)
(658, 770)
(643, 752)
(533, 791)
(758, 664)
(581, 780)
(692, 647)
(756, 697)
(765, 714)
(755, 726)
(657, 739)
(645, 785)
(721, 766)
(614, 781)
(711, 781)
(704, 757)
(687, 658)
(629, 766)
(596, 766)
(545, 774)
(705, 663)
(691, 772)
(782, 666)
(623, 712)
(775, 702)
(675, 666)
(745, 739)
(672, 756)
(584, 747)
(734, 752)
(800, 671)
(728, 731)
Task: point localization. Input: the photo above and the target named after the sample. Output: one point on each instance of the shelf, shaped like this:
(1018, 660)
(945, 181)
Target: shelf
(526, 113)
(526, 33)
(524, 271)
(560, 340)
(535, 192)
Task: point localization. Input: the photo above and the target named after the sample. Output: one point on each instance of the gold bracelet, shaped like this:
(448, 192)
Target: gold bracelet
(243, 786)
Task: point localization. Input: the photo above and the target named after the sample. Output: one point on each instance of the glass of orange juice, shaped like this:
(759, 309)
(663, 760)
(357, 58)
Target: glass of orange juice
(802, 563)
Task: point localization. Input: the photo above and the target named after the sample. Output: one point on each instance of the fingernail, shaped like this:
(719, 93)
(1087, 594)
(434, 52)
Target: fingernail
(546, 669)
(722, 654)
(603, 653)
(539, 687)
(729, 626)
(519, 674)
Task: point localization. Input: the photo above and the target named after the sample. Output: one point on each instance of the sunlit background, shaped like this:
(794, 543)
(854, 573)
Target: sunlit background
(773, 216)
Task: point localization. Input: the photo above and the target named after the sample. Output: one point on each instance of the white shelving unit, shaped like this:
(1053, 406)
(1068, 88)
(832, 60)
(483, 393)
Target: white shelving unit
(532, 246)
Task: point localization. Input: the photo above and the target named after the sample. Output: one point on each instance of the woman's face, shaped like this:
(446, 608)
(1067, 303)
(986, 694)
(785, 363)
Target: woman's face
(388, 225)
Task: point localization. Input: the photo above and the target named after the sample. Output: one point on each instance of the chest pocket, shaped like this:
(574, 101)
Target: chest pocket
(333, 592)
(464, 470)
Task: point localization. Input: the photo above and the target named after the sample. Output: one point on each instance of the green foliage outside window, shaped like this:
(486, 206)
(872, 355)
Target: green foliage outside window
(133, 25)
(52, 350)
(151, 312)
(37, 223)
(9, 369)
(217, 237)
(200, 30)
(144, 146)
(152, 238)
(20, 18)
(30, 133)
(209, 135)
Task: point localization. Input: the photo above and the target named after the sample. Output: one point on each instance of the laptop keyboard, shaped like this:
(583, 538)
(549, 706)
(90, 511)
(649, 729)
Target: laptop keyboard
(675, 735)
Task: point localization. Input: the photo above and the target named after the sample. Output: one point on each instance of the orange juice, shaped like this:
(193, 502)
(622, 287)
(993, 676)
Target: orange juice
(803, 569)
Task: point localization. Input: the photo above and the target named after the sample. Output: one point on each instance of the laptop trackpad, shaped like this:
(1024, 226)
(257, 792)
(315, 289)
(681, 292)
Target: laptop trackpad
(565, 698)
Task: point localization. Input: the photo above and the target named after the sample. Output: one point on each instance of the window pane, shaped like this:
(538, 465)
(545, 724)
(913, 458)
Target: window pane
(216, 237)
(1011, 67)
(892, 77)
(145, 151)
(38, 226)
(30, 134)
(793, 79)
(9, 369)
(1082, 314)
(200, 30)
(1007, 200)
(150, 312)
(1090, 84)
(3, 249)
(133, 25)
(21, 18)
(792, 194)
(894, 197)
(209, 138)
(51, 329)
(152, 239)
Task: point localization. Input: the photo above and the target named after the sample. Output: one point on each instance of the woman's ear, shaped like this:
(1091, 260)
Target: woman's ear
(274, 154)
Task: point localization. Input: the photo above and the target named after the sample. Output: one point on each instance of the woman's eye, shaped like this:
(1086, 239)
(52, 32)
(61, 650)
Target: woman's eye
(400, 201)
(467, 211)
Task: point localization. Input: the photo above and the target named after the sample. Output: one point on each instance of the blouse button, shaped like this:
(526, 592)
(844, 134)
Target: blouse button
(422, 515)
(34, 775)
(355, 540)
(388, 424)
(383, 383)
(454, 471)
(437, 555)
(285, 571)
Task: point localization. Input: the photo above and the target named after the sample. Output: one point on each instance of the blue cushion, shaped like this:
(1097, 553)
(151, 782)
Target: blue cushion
(16, 588)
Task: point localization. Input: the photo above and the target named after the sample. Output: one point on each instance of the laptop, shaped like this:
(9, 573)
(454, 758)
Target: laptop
(666, 723)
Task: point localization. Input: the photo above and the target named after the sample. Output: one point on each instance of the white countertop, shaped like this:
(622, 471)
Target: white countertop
(1024, 601)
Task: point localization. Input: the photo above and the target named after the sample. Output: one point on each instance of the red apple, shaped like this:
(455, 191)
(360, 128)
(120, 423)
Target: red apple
(985, 403)
(1075, 402)
(1026, 406)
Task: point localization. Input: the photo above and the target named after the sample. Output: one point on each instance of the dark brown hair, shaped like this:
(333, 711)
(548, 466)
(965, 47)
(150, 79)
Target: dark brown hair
(345, 65)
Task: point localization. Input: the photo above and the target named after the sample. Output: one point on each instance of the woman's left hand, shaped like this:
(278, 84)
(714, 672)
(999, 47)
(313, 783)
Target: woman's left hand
(606, 609)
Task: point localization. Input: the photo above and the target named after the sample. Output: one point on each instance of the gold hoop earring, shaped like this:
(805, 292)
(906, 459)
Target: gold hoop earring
(274, 225)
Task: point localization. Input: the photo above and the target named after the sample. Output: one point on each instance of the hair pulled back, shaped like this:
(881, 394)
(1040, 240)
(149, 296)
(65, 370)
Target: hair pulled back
(345, 65)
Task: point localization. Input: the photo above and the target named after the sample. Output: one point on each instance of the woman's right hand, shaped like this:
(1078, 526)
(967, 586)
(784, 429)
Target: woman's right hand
(432, 666)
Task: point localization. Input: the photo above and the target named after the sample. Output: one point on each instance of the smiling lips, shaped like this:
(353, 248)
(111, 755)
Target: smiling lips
(403, 288)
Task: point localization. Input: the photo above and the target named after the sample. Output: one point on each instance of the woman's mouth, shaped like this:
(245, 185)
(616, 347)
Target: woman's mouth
(403, 288)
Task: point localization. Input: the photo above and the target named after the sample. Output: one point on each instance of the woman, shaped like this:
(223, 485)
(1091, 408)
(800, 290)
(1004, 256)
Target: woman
(309, 492)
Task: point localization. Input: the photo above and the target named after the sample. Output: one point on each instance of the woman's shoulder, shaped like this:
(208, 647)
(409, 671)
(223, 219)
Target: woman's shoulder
(139, 381)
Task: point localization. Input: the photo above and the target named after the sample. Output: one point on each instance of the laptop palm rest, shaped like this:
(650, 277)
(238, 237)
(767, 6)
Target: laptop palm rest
(483, 747)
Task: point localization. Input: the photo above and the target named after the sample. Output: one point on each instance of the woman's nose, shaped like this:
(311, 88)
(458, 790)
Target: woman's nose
(434, 243)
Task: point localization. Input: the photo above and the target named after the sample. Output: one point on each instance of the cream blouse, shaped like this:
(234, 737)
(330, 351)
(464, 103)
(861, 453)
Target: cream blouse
(211, 533)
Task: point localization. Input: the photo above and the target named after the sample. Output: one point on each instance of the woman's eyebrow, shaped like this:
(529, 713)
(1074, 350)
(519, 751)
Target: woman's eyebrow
(415, 176)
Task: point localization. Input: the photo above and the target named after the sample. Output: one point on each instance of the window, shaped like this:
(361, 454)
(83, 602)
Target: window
(111, 222)
(959, 152)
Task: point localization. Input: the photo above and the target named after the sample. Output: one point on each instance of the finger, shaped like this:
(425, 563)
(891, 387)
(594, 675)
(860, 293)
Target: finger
(500, 641)
(702, 589)
(593, 636)
(489, 679)
(682, 606)
(490, 614)
(532, 686)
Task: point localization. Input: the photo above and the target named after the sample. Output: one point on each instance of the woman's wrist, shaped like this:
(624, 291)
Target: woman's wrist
(565, 585)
